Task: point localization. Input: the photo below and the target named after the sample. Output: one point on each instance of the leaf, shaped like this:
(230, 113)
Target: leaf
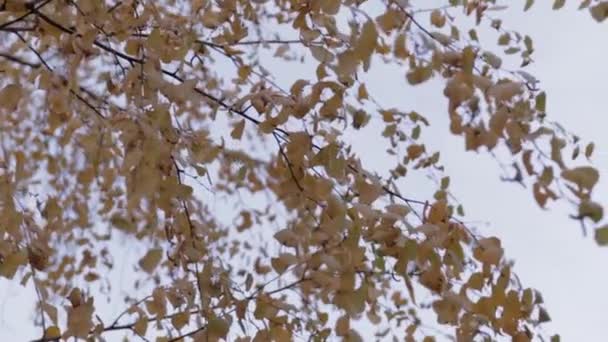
(437, 18)
(283, 262)
(543, 315)
(398, 209)
(331, 7)
(541, 100)
(237, 131)
(558, 4)
(12, 262)
(601, 235)
(419, 75)
(10, 96)
(287, 237)
(80, 319)
(489, 251)
(180, 320)
(505, 91)
(445, 182)
(592, 210)
(52, 332)
(321, 54)
(342, 326)
(494, 61)
(368, 41)
(584, 176)
(141, 325)
(368, 192)
(528, 4)
(400, 47)
(123, 224)
(589, 150)
(217, 329)
(414, 151)
(599, 12)
(152, 258)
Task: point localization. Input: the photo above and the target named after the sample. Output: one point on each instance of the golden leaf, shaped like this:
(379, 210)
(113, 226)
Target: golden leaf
(488, 251)
(80, 319)
(152, 258)
(584, 176)
(342, 326)
(52, 332)
(10, 96)
(237, 131)
(437, 18)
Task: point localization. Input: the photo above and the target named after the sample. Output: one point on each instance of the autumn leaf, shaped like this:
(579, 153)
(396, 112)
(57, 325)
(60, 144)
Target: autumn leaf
(584, 176)
(601, 235)
(151, 260)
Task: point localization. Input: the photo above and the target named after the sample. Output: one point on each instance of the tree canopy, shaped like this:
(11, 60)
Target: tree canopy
(160, 127)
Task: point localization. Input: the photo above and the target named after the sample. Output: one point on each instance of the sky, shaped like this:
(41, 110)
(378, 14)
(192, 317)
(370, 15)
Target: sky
(549, 250)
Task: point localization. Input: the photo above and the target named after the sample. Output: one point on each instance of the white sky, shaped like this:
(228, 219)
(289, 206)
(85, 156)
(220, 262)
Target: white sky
(549, 250)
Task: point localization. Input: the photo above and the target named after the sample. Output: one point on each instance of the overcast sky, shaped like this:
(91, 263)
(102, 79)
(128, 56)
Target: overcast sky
(549, 250)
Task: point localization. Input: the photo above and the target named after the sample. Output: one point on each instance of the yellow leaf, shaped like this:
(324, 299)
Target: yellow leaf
(132, 47)
(419, 75)
(589, 150)
(599, 12)
(330, 7)
(438, 213)
(287, 237)
(488, 251)
(122, 223)
(283, 262)
(321, 54)
(152, 258)
(414, 151)
(398, 209)
(592, 210)
(10, 96)
(601, 235)
(342, 326)
(494, 61)
(155, 41)
(584, 176)
(557, 4)
(362, 92)
(541, 102)
(237, 131)
(400, 48)
(80, 320)
(141, 326)
(368, 41)
(437, 18)
(505, 91)
(12, 262)
(180, 320)
(217, 328)
(52, 332)
(368, 193)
